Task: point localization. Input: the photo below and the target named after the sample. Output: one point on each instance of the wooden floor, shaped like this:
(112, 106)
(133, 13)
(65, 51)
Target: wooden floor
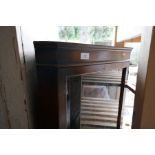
(98, 113)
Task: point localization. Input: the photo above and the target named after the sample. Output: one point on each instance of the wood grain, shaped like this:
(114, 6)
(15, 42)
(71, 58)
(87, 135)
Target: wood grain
(57, 62)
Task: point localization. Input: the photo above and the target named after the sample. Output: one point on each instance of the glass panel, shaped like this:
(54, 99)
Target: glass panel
(106, 91)
(127, 111)
(129, 96)
(93, 100)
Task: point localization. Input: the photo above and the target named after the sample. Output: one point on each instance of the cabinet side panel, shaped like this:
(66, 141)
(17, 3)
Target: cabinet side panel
(47, 107)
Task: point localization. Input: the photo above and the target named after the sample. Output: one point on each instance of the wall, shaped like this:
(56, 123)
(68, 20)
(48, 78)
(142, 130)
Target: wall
(28, 35)
(148, 113)
(144, 106)
(144, 110)
(13, 100)
(128, 32)
(18, 81)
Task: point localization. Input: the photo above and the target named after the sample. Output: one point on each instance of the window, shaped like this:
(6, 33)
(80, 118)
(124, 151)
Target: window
(87, 34)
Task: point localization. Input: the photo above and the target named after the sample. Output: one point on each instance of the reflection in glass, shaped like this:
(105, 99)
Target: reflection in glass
(94, 100)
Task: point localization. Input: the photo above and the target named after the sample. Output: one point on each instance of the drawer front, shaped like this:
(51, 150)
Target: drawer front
(76, 57)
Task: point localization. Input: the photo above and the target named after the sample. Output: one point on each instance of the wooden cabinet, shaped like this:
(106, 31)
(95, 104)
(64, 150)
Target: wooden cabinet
(59, 68)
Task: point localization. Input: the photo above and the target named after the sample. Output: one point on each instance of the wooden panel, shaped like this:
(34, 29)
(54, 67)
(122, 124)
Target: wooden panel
(47, 107)
(51, 53)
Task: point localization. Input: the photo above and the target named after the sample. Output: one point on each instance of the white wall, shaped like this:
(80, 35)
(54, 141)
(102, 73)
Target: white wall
(36, 33)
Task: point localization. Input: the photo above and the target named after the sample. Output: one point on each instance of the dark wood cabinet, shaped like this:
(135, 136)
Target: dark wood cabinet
(59, 69)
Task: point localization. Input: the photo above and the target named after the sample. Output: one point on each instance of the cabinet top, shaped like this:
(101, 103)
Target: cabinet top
(81, 46)
(62, 54)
